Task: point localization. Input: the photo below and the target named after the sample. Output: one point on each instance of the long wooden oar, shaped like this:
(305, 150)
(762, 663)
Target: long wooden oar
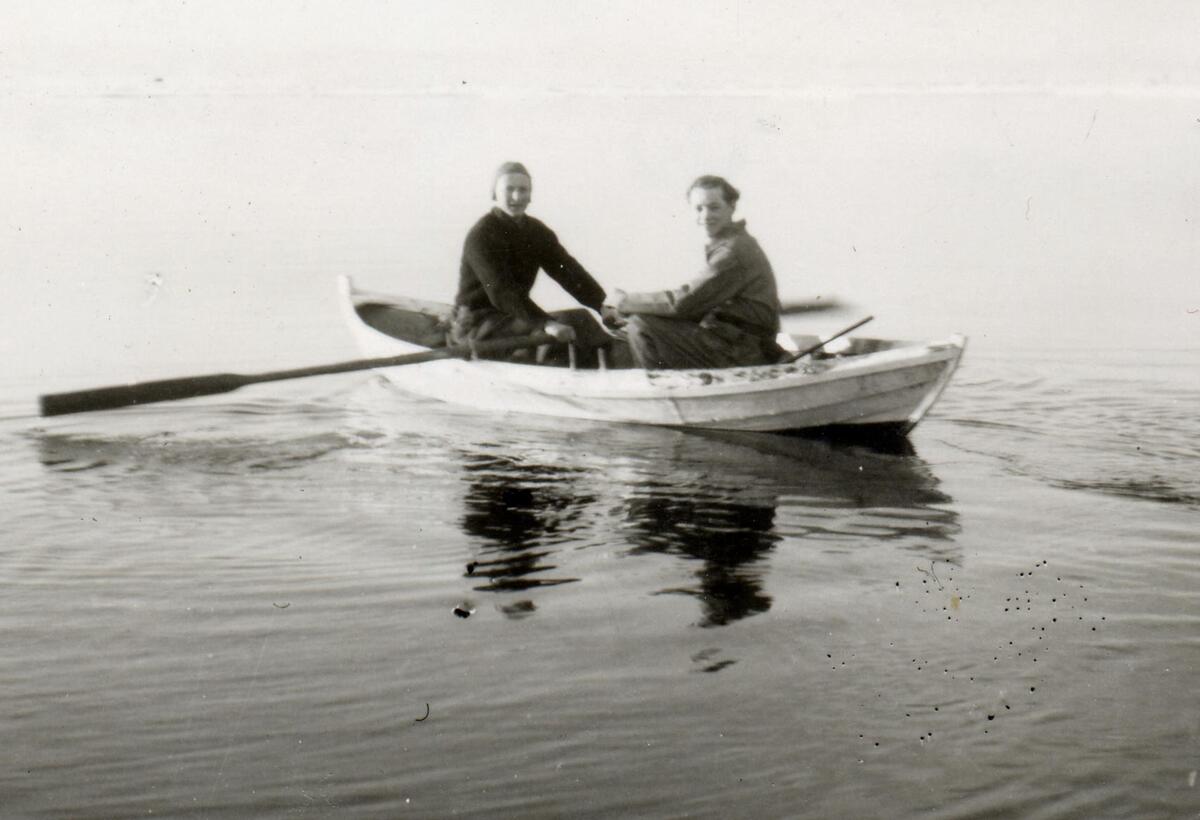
(189, 387)
(829, 339)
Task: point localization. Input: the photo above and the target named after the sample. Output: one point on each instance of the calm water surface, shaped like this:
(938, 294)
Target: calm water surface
(251, 606)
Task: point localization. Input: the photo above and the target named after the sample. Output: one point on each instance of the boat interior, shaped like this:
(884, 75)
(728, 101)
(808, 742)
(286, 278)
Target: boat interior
(428, 324)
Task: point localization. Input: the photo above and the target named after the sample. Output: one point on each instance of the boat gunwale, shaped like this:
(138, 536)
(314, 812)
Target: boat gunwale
(637, 383)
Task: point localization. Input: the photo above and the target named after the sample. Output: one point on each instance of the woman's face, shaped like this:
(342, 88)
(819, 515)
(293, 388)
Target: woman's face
(513, 193)
(713, 213)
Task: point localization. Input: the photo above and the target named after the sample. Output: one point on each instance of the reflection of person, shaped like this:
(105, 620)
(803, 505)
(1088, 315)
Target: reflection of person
(727, 536)
(500, 261)
(727, 316)
(517, 511)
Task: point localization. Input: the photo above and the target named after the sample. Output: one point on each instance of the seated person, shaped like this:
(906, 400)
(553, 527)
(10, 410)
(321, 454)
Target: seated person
(500, 261)
(727, 316)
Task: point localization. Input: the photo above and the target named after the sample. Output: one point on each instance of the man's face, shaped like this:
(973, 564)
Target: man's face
(713, 213)
(512, 193)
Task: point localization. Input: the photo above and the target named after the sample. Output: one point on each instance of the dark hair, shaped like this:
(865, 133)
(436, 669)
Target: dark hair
(720, 183)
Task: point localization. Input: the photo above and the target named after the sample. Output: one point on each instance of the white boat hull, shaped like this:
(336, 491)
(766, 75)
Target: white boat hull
(893, 387)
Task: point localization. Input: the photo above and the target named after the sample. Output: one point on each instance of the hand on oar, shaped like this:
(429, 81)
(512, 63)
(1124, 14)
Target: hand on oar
(189, 387)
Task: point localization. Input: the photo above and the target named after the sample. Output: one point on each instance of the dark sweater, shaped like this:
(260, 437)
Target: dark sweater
(500, 261)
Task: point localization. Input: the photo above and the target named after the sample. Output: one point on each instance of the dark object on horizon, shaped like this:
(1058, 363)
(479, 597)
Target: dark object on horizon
(796, 307)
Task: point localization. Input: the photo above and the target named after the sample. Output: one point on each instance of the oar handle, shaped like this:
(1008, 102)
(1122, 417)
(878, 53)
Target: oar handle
(188, 387)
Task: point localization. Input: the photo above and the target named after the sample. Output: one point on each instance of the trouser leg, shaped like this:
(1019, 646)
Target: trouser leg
(658, 342)
(478, 326)
(589, 334)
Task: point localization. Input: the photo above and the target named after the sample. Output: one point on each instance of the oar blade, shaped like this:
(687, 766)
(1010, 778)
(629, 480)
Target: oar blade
(124, 395)
(109, 398)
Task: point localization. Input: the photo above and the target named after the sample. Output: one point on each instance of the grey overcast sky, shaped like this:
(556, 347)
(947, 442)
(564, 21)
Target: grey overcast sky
(999, 168)
(726, 46)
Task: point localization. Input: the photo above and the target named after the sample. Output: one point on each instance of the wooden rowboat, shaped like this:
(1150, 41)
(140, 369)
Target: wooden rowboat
(869, 385)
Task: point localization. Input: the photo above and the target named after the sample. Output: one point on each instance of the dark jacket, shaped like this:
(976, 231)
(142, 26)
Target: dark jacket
(736, 287)
(500, 261)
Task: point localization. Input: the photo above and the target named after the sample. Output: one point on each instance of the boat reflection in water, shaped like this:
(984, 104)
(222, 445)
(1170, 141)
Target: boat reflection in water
(544, 504)
(722, 502)
(732, 498)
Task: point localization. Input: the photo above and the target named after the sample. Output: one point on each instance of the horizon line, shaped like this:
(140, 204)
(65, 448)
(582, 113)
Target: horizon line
(157, 87)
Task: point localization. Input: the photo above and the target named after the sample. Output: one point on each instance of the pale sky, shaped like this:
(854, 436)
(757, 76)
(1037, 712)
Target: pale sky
(701, 45)
(1000, 169)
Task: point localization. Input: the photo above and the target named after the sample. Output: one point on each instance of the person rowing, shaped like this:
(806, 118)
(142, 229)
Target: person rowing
(501, 257)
